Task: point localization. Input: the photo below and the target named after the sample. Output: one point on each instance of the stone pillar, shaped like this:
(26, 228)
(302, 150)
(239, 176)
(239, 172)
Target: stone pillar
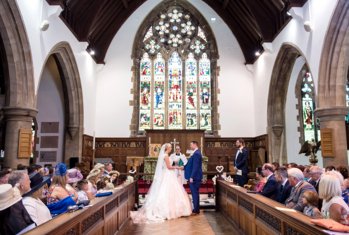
(16, 118)
(276, 147)
(334, 118)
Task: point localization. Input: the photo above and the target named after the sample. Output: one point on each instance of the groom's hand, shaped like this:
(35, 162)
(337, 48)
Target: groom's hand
(191, 180)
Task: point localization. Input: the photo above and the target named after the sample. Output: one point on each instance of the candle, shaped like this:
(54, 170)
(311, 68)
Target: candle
(94, 141)
(149, 140)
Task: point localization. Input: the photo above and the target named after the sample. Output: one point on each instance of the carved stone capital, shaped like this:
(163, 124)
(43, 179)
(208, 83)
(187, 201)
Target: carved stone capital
(19, 113)
(331, 114)
(277, 130)
(72, 130)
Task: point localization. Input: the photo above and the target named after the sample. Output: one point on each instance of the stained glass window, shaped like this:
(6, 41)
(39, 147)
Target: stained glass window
(175, 74)
(308, 107)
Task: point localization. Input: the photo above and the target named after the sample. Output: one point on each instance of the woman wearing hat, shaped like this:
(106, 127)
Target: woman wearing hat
(59, 197)
(37, 210)
(14, 218)
(92, 179)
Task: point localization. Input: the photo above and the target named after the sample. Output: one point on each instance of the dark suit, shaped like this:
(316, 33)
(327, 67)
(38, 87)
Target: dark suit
(270, 188)
(295, 201)
(283, 192)
(193, 169)
(316, 186)
(241, 163)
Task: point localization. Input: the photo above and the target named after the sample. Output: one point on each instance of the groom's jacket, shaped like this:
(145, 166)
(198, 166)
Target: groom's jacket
(193, 169)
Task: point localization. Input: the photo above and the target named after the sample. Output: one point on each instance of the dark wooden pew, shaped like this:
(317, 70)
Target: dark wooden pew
(107, 215)
(254, 214)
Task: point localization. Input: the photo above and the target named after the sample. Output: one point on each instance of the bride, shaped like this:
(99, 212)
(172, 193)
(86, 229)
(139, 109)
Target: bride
(166, 198)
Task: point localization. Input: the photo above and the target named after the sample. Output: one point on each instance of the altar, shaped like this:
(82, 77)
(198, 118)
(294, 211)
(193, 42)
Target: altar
(150, 165)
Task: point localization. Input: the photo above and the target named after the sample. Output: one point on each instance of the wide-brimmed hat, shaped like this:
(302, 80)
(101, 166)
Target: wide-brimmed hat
(93, 173)
(99, 166)
(36, 182)
(74, 175)
(114, 173)
(60, 169)
(8, 196)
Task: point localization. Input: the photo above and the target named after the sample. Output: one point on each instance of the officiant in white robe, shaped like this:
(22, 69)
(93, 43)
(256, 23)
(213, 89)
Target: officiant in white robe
(179, 159)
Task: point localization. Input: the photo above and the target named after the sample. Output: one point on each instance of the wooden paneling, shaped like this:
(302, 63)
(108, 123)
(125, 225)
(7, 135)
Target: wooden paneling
(220, 151)
(254, 214)
(25, 143)
(94, 220)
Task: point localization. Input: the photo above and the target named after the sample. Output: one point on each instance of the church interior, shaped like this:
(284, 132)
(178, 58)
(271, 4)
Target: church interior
(91, 91)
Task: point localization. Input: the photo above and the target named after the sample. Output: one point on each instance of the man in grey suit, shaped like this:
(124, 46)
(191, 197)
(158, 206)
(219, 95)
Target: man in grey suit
(296, 178)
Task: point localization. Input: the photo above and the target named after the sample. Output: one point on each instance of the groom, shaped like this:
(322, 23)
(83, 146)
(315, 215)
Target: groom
(193, 173)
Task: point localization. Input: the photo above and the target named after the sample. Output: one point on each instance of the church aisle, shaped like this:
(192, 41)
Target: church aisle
(207, 223)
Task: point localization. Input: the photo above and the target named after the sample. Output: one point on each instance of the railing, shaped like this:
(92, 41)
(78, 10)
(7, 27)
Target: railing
(107, 215)
(256, 214)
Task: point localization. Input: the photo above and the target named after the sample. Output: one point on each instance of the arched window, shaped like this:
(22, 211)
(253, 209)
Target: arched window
(310, 125)
(175, 87)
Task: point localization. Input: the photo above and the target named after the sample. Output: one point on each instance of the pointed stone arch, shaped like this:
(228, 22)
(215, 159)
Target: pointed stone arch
(73, 99)
(333, 71)
(18, 109)
(278, 88)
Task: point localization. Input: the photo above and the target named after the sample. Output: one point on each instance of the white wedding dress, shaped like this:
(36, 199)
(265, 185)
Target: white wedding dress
(166, 199)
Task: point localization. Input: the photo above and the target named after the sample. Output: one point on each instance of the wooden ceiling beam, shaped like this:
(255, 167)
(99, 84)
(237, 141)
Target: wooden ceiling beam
(125, 2)
(225, 3)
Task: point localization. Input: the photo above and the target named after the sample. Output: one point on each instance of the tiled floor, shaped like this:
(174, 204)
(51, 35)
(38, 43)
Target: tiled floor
(207, 223)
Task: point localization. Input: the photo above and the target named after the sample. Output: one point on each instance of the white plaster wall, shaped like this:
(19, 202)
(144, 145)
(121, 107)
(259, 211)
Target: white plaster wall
(292, 124)
(319, 12)
(51, 106)
(113, 112)
(41, 42)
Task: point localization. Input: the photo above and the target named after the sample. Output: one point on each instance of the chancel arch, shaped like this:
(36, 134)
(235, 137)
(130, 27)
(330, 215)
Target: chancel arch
(333, 70)
(60, 75)
(18, 97)
(175, 71)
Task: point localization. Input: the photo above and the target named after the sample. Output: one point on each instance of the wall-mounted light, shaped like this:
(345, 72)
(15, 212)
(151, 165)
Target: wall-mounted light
(45, 24)
(213, 19)
(92, 52)
(308, 26)
(257, 53)
(288, 13)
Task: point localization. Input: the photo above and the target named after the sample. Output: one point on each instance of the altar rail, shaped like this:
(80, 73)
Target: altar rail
(106, 216)
(257, 215)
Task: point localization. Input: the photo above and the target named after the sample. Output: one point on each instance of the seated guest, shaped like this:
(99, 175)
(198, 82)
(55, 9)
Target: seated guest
(4, 174)
(306, 173)
(333, 207)
(276, 165)
(92, 179)
(114, 177)
(271, 185)
(261, 180)
(296, 178)
(292, 165)
(14, 218)
(73, 175)
(32, 202)
(83, 193)
(315, 175)
(108, 169)
(59, 198)
(311, 201)
(284, 189)
(100, 167)
(20, 179)
(330, 168)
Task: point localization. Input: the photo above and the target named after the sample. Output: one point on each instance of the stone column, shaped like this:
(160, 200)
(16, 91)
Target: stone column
(16, 118)
(275, 142)
(334, 118)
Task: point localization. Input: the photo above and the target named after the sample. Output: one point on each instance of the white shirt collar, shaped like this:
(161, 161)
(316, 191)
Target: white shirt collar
(269, 176)
(298, 184)
(284, 183)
